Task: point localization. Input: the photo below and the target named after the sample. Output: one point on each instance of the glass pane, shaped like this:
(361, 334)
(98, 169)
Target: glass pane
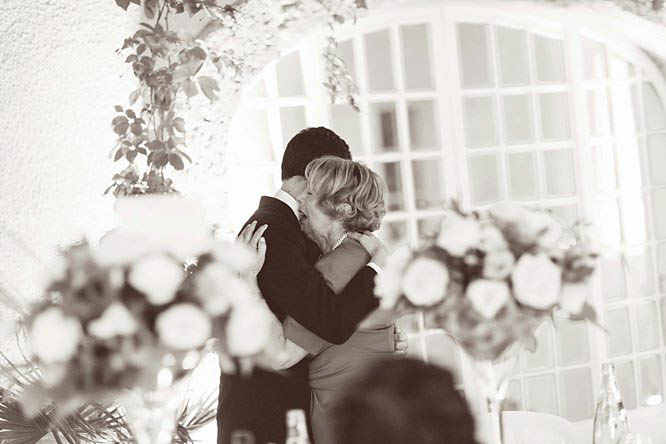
(604, 168)
(524, 182)
(347, 124)
(541, 395)
(422, 129)
(416, 56)
(599, 111)
(480, 122)
(594, 60)
(378, 57)
(656, 148)
(428, 228)
(659, 212)
(484, 178)
(608, 223)
(626, 381)
(554, 116)
(655, 117)
(252, 125)
(636, 107)
(566, 215)
(518, 119)
(514, 397)
(576, 394)
(651, 388)
(474, 55)
(393, 234)
(641, 271)
(512, 48)
(542, 357)
(428, 183)
(392, 175)
(549, 60)
(384, 129)
(647, 337)
(573, 346)
(619, 332)
(292, 120)
(661, 267)
(612, 279)
(559, 168)
(442, 351)
(662, 303)
(290, 75)
(346, 52)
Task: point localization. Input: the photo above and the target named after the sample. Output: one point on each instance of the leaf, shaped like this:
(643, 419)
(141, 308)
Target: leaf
(179, 124)
(147, 25)
(156, 145)
(176, 161)
(136, 129)
(121, 128)
(118, 108)
(208, 87)
(160, 159)
(190, 88)
(118, 156)
(118, 119)
(131, 155)
(189, 159)
(131, 58)
(141, 150)
(130, 114)
(149, 8)
(123, 3)
(134, 97)
(338, 18)
(197, 52)
(141, 48)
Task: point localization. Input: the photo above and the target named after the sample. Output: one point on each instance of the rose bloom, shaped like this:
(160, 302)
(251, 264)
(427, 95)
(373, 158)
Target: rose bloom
(492, 239)
(542, 227)
(54, 336)
(574, 296)
(158, 277)
(488, 296)
(425, 281)
(536, 281)
(498, 264)
(183, 327)
(388, 284)
(459, 234)
(217, 289)
(115, 321)
(249, 328)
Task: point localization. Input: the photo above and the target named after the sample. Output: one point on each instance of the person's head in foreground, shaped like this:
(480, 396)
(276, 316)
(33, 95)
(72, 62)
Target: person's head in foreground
(401, 402)
(343, 196)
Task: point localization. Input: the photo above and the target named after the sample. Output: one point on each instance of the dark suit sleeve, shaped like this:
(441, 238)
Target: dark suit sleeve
(288, 281)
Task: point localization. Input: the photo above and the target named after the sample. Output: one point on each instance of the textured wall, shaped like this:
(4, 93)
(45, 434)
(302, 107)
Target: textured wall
(59, 80)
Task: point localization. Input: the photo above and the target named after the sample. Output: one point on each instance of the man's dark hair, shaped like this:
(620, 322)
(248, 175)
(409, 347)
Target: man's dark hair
(310, 144)
(399, 402)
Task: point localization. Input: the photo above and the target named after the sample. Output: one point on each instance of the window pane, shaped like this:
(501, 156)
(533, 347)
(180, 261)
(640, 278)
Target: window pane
(512, 48)
(347, 124)
(541, 394)
(428, 183)
(290, 75)
(626, 381)
(518, 126)
(346, 52)
(480, 122)
(514, 397)
(573, 346)
(567, 215)
(619, 332)
(636, 107)
(656, 148)
(393, 234)
(641, 269)
(416, 56)
(292, 120)
(378, 57)
(484, 178)
(428, 228)
(594, 60)
(604, 168)
(542, 357)
(612, 279)
(559, 168)
(474, 55)
(651, 387)
(608, 223)
(391, 174)
(524, 183)
(661, 277)
(549, 60)
(647, 336)
(422, 129)
(655, 117)
(554, 116)
(659, 212)
(599, 111)
(384, 129)
(253, 126)
(576, 394)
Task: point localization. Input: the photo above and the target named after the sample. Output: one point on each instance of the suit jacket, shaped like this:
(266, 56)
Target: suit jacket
(291, 286)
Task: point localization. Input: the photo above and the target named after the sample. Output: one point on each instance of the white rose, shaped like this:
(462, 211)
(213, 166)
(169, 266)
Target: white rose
(497, 264)
(54, 336)
(183, 327)
(115, 321)
(492, 239)
(507, 212)
(118, 249)
(57, 270)
(488, 296)
(459, 234)
(218, 289)
(249, 328)
(236, 256)
(388, 284)
(536, 281)
(158, 277)
(425, 281)
(544, 229)
(574, 296)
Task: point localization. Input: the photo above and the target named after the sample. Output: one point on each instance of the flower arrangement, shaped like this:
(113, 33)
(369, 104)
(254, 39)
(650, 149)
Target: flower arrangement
(489, 280)
(127, 313)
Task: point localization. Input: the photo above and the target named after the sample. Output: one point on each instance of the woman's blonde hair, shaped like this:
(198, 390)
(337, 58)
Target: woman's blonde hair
(349, 191)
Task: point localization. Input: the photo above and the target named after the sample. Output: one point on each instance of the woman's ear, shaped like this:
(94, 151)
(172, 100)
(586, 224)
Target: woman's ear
(344, 209)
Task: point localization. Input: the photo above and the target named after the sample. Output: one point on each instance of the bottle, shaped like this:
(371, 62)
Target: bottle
(242, 437)
(610, 417)
(297, 429)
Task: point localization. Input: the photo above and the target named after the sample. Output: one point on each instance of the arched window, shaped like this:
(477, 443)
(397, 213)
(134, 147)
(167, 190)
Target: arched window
(476, 104)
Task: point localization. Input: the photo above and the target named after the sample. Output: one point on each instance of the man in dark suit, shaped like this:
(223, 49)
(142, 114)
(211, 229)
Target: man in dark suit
(291, 286)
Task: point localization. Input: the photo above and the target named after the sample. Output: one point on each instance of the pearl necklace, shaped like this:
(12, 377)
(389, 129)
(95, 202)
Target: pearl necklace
(340, 241)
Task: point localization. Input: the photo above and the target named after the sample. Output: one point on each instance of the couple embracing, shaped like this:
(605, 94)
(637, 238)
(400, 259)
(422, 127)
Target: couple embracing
(319, 266)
